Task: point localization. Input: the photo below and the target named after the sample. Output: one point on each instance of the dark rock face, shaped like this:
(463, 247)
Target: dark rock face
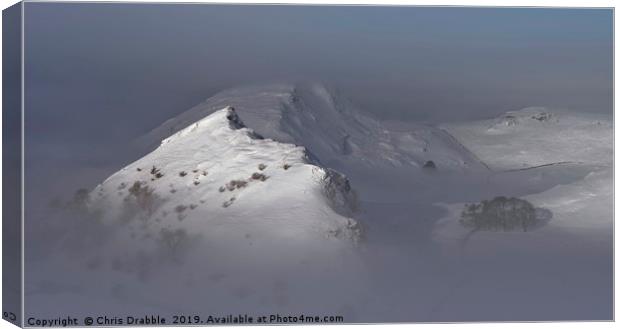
(234, 120)
(235, 123)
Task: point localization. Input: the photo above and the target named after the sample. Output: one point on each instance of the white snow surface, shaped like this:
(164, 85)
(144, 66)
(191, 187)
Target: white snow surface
(286, 201)
(532, 145)
(329, 126)
(538, 136)
(535, 143)
(200, 242)
(568, 258)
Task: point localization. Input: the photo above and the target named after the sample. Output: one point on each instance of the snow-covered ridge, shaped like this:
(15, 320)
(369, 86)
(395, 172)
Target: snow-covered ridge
(226, 184)
(330, 127)
(213, 122)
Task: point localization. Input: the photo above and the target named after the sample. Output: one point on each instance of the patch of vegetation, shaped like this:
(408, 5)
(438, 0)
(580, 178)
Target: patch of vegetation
(80, 200)
(172, 238)
(259, 176)
(79, 203)
(144, 195)
(226, 204)
(500, 214)
(236, 184)
(156, 172)
(429, 165)
(80, 221)
(175, 242)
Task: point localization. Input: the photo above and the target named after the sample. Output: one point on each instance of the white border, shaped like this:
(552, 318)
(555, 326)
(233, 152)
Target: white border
(485, 3)
(23, 168)
(474, 3)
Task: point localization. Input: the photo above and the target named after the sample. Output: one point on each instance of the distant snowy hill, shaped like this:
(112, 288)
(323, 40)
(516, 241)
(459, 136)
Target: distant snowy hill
(538, 136)
(534, 145)
(328, 126)
(562, 163)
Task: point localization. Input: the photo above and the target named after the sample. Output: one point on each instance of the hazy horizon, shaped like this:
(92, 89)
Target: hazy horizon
(145, 63)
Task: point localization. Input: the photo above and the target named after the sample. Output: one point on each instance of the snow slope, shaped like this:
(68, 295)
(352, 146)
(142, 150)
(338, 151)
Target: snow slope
(562, 270)
(535, 144)
(220, 179)
(215, 219)
(329, 127)
(538, 136)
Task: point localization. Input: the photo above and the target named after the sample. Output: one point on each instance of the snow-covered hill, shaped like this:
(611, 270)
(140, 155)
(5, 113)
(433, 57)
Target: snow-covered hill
(330, 127)
(538, 136)
(561, 163)
(528, 147)
(220, 180)
(216, 218)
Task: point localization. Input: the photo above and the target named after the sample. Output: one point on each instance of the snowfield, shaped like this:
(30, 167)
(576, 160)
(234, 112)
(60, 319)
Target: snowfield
(536, 137)
(288, 199)
(535, 143)
(570, 258)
